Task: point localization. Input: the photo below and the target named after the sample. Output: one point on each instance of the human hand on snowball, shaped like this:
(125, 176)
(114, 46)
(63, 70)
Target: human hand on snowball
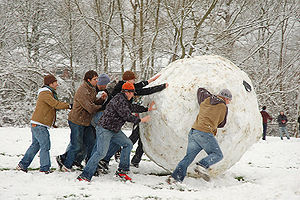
(151, 106)
(146, 118)
(154, 78)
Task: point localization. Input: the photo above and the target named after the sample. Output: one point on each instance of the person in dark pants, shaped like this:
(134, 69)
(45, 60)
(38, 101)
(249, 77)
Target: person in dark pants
(265, 117)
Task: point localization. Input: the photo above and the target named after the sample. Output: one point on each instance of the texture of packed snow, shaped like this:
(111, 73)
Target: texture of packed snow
(165, 136)
(268, 170)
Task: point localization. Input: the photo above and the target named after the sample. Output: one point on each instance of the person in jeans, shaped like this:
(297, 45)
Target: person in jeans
(282, 120)
(42, 119)
(108, 130)
(102, 93)
(265, 117)
(85, 105)
(140, 90)
(212, 115)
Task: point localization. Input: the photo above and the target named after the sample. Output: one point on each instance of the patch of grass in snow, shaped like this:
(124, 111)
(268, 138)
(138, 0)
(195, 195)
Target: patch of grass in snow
(240, 178)
(74, 196)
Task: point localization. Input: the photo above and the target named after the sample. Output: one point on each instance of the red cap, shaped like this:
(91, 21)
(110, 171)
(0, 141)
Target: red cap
(128, 87)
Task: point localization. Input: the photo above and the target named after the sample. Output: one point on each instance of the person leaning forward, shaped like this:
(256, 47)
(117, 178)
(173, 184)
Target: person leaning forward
(212, 115)
(85, 105)
(108, 131)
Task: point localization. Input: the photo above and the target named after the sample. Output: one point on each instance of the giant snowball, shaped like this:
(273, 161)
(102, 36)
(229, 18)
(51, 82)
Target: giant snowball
(165, 137)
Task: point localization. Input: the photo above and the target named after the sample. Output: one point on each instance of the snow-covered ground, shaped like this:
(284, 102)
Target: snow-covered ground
(268, 170)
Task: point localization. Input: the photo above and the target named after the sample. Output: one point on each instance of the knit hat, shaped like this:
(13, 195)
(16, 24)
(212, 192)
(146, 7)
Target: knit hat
(128, 87)
(49, 79)
(128, 75)
(225, 93)
(103, 79)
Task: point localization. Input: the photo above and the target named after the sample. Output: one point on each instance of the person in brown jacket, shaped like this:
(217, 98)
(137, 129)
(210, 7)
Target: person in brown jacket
(85, 105)
(42, 119)
(212, 115)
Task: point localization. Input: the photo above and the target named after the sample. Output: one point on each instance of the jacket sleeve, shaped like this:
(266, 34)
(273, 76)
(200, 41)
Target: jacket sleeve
(84, 99)
(202, 94)
(125, 113)
(222, 124)
(49, 99)
(117, 89)
(140, 85)
(138, 109)
(150, 90)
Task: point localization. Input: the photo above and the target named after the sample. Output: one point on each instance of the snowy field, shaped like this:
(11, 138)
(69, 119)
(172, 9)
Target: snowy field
(269, 170)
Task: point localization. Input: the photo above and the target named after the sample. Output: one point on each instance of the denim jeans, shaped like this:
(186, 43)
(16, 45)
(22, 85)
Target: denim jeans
(96, 118)
(198, 140)
(134, 137)
(283, 130)
(82, 139)
(104, 139)
(40, 141)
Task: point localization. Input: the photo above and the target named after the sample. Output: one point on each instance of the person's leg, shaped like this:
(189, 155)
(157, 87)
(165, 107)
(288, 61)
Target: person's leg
(210, 145)
(89, 140)
(31, 151)
(193, 149)
(122, 140)
(138, 154)
(113, 148)
(286, 132)
(43, 137)
(264, 131)
(281, 132)
(76, 142)
(135, 135)
(102, 143)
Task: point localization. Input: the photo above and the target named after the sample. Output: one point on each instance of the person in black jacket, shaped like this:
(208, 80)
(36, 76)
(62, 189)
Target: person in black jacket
(282, 120)
(135, 135)
(108, 130)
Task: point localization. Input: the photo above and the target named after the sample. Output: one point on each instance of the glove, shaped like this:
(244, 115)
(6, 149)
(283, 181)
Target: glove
(70, 106)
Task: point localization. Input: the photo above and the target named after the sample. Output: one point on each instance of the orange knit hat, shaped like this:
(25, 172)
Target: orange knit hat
(128, 75)
(128, 87)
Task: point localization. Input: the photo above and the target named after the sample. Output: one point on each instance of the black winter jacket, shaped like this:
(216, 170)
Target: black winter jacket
(281, 119)
(118, 111)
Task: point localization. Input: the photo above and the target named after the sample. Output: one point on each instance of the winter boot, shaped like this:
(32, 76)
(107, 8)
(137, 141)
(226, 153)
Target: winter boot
(170, 180)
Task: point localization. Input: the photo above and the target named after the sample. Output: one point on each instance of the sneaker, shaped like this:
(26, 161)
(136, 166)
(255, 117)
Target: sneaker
(170, 180)
(117, 156)
(19, 168)
(78, 165)
(59, 162)
(136, 165)
(202, 172)
(47, 172)
(65, 169)
(81, 178)
(122, 174)
(102, 167)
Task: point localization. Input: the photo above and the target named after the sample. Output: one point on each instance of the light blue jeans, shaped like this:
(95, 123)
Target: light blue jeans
(40, 141)
(104, 138)
(198, 140)
(283, 130)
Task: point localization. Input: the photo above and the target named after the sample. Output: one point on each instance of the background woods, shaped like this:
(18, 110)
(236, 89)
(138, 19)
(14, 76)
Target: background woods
(69, 37)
